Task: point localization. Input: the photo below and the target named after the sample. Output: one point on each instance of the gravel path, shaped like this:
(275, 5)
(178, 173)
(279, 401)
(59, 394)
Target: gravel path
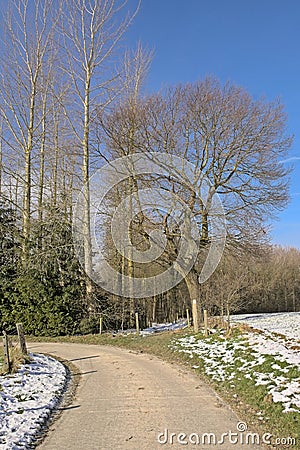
(126, 399)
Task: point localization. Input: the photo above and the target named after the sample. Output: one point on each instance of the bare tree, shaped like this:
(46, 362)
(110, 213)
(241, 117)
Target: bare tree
(28, 54)
(136, 65)
(234, 142)
(91, 31)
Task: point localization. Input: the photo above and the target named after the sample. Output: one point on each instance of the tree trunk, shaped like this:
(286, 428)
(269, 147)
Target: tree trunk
(193, 286)
(26, 204)
(42, 175)
(1, 157)
(27, 181)
(55, 165)
(154, 302)
(86, 187)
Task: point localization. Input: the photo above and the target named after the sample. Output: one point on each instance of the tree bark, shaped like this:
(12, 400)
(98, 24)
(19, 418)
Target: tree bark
(86, 187)
(192, 282)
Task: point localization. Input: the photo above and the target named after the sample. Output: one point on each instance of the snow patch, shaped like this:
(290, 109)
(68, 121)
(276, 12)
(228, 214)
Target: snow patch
(227, 359)
(27, 398)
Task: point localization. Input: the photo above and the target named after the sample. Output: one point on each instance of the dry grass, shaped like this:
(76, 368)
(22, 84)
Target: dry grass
(295, 347)
(17, 358)
(217, 323)
(245, 328)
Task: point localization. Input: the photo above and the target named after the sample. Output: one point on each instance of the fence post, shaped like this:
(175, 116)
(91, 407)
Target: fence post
(137, 323)
(7, 362)
(21, 337)
(100, 325)
(188, 317)
(205, 322)
(195, 316)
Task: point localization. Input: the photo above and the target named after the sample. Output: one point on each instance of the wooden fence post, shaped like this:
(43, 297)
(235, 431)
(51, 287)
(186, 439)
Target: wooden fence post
(7, 362)
(188, 318)
(205, 322)
(195, 316)
(21, 337)
(100, 325)
(137, 323)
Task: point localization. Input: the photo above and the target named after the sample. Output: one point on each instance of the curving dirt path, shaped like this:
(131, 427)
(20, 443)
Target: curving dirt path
(125, 399)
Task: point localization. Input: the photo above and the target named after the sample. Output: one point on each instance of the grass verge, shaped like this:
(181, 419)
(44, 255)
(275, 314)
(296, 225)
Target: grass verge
(16, 359)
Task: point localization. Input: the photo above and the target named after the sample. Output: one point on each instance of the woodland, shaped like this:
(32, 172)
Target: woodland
(72, 99)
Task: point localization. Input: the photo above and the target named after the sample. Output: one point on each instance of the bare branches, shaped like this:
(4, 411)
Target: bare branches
(91, 32)
(234, 143)
(29, 55)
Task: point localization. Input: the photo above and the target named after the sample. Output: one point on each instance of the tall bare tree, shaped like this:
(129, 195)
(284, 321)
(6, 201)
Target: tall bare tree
(91, 31)
(29, 33)
(136, 65)
(233, 141)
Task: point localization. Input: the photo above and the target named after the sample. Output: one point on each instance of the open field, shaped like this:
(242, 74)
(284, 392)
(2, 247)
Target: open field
(285, 324)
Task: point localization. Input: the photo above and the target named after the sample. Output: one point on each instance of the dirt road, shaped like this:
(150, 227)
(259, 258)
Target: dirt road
(135, 401)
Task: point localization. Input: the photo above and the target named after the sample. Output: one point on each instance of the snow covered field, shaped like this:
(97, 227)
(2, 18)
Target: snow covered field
(27, 398)
(287, 324)
(266, 359)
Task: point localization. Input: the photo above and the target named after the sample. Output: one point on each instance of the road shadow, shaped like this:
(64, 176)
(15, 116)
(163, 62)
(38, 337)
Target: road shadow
(85, 357)
(83, 373)
(66, 408)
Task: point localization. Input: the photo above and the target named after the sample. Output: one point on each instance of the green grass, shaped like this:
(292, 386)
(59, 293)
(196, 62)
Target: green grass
(252, 400)
(248, 400)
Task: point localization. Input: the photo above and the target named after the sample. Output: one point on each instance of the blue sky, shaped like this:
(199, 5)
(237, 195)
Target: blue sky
(255, 44)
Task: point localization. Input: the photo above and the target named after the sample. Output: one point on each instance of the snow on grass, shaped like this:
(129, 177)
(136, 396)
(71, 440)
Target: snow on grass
(249, 356)
(27, 398)
(287, 324)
